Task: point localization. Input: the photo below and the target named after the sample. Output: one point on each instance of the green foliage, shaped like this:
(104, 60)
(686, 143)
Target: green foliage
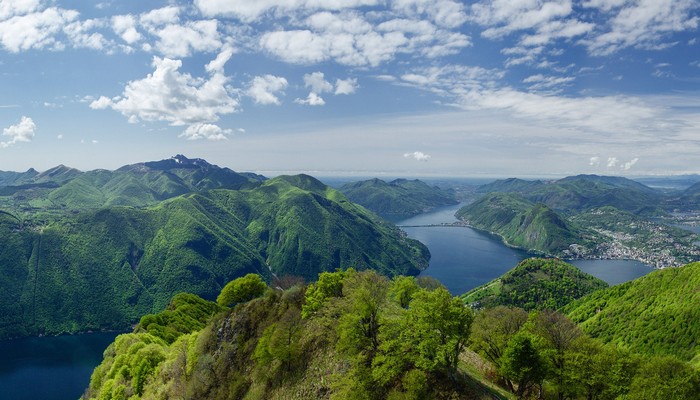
(492, 330)
(522, 223)
(523, 364)
(398, 197)
(665, 378)
(104, 269)
(535, 284)
(241, 290)
(329, 284)
(655, 314)
(402, 290)
(186, 313)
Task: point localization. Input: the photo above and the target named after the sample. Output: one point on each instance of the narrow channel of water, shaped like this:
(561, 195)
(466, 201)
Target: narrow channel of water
(464, 258)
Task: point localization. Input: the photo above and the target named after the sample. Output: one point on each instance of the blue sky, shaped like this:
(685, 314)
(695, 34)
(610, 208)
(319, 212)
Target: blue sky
(364, 87)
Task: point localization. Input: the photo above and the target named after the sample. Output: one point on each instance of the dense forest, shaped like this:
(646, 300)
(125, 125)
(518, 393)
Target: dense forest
(104, 268)
(360, 335)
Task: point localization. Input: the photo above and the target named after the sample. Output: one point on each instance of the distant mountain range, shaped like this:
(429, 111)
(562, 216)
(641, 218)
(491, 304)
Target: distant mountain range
(400, 197)
(98, 249)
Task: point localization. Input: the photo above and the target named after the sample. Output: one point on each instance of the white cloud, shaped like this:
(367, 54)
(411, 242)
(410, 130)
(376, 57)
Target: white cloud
(349, 39)
(125, 27)
(175, 40)
(264, 89)
(35, 30)
(23, 131)
(641, 23)
(59, 136)
(541, 82)
(612, 162)
(417, 155)
(629, 164)
(346, 86)
(312, 100)
(173, 96)
(10, 8)
(205, 131)
(594, 161)
(250, 10)
(317, 82)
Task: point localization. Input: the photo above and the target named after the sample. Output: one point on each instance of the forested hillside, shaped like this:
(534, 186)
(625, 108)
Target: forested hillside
(655, 314)
(400, 197)
(535, 284)
(522, 223)
(104, 268)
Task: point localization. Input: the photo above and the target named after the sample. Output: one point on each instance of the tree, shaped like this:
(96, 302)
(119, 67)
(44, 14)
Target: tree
(402, 289)
(665, 378)
(439, 326)
(241, 290)
(523, 364)
(329, 284)
(492, 330)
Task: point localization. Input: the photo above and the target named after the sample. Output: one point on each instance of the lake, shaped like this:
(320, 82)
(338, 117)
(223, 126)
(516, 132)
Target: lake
(50, 368)
(464, 258)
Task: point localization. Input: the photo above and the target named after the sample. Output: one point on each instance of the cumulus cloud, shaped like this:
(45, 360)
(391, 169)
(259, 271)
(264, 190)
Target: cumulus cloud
(417, 155)
(318, 85)
(174, 97)
(346, 86)
(205, 131)
(23, 131)
(613, 162)
(125, 27)
(264, 89)
(594, 161)
(250, 10)
(350, 39)
(311, 100)
(35, 30)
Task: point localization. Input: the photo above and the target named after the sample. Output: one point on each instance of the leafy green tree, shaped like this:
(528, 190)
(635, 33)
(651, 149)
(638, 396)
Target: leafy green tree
(665, 378)
(241, 290)
(439, 326)
(493, 328)
(523, 364)
(402, 289)
(329, 284)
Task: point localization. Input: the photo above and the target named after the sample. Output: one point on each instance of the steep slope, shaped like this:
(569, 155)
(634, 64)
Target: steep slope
(398, 197)
(655, 314)
(104, 268)
(535, 284)
(581, 192)
(522, 223)
(265, 349)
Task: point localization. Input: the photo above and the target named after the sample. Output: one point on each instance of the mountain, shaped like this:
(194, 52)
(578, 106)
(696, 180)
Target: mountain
(103, 268)
(535, 284)
(581, 192)
(522, 223)
(8, 178)
(398, 197)
(655, 314)
(137, 185)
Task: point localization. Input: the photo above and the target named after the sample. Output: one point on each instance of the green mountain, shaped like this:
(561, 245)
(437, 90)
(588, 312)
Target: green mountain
(141, 184)
(398, 197)
(655, 314)
(522, 223)
(581, 192)
(535, 284)
(104, 268)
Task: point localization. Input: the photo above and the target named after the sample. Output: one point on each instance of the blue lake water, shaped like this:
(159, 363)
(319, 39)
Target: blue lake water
(464, 258)
(50, 368)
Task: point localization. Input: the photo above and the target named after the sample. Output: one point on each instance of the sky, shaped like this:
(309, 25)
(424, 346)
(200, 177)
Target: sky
(354, 87)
